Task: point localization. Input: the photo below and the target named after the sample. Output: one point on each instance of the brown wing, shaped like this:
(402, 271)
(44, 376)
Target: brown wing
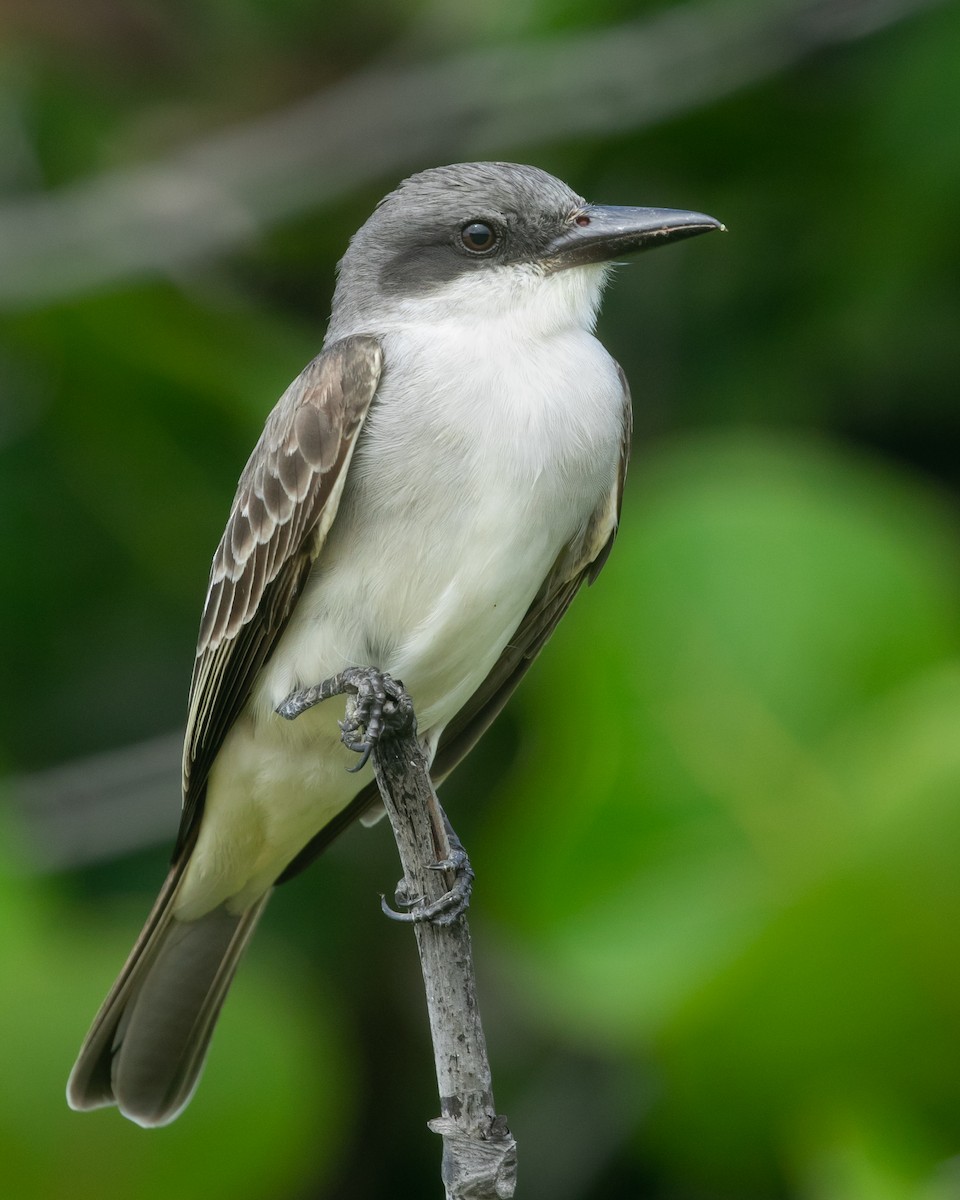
(580, 562)
(286, 500)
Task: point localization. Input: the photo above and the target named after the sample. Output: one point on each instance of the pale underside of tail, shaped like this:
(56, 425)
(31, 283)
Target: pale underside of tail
(146, 1047)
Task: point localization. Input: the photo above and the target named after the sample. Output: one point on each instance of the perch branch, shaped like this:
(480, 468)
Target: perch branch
(479, 1152)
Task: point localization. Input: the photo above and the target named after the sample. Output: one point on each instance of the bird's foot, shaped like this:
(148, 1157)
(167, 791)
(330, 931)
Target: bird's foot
(379, 703)
(446, 908)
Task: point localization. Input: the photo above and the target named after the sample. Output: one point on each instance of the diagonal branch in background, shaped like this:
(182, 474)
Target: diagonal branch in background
(222, 191)
(99, 807)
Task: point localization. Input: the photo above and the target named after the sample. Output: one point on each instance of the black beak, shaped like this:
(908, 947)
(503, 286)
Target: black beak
(601, 232)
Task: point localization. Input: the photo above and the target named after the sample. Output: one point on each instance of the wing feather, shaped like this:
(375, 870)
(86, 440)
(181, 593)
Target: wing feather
(286, 500)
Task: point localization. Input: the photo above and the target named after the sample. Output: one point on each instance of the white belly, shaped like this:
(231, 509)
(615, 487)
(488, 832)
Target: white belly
(458, 503)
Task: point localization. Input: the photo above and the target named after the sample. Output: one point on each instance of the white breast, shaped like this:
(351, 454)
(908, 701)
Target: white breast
(476, 467)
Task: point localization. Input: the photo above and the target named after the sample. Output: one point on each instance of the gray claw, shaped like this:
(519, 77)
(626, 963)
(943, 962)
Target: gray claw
(446, 908)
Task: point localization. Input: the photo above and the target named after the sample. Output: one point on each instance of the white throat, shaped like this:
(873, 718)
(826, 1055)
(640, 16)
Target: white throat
(514, 301)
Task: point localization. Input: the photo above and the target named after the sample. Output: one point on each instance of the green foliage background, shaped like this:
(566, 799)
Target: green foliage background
(717, 833)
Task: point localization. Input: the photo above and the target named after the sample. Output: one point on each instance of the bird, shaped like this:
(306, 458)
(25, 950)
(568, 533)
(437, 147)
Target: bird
(426, 498)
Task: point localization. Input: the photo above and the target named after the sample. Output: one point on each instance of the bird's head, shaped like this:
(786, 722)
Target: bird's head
(491, 240)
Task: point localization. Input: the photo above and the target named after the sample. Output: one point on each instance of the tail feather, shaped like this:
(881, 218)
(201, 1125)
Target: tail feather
(146, 1047)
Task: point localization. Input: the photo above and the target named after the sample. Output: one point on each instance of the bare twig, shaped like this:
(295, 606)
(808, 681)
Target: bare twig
(222, 191)
(479, 1153)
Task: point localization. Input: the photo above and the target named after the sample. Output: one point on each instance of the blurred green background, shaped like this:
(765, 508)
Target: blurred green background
(717, 832)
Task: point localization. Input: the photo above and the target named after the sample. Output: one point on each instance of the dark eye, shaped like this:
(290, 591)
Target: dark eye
(478, 237)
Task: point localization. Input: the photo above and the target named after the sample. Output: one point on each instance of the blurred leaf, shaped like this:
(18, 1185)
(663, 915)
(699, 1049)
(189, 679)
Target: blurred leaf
(733, 838)
(866, 1151)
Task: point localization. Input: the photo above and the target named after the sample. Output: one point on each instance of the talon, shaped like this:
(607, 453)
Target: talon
(407, 918)
(364, 749)
(457, 862)
(446, 908)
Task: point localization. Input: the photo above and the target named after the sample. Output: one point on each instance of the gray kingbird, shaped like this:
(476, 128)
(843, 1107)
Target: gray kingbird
(427, 497)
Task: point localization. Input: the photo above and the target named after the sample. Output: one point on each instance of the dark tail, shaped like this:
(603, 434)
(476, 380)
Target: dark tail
(146, 1047)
